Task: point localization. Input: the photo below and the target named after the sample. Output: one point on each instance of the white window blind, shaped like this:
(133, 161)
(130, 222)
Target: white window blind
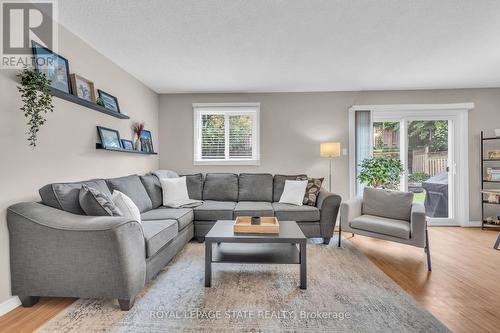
(226, 133)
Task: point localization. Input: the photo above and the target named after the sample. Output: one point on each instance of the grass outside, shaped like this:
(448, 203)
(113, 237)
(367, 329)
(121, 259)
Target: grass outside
(419, 197)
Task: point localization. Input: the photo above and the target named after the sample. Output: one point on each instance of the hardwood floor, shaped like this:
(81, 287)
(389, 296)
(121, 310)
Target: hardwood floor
(463, 291)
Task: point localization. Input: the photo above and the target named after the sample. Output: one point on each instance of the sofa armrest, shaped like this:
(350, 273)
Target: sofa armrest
(56, 253)
(418, 222)
(349, 210)
(328, 204)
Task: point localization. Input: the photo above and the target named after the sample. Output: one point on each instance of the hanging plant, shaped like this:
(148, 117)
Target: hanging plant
(37, 100)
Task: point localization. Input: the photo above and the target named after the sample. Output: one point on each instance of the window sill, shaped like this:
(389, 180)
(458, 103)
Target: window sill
(226, 162)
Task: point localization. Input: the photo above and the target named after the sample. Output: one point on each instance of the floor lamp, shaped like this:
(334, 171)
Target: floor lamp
(330, 150)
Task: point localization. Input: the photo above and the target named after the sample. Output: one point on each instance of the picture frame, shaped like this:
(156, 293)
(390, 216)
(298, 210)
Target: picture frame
(54, 66)
(147, 141)
(82, 88)
(127, 144)
(494, 154)
(110, 102)
(110, 138)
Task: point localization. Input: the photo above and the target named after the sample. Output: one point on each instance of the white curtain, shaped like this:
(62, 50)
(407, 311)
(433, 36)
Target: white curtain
(363, 128)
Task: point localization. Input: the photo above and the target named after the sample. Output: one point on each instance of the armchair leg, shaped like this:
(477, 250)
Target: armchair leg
(126, 304)
(326, 240)
(428, 251)
(497, 243)
(340, 233)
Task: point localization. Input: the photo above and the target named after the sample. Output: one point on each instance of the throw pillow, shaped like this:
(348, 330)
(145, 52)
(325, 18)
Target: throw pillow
(96, 203)
(175, 193)
(126, 206)
(293, 192)
(312, 190)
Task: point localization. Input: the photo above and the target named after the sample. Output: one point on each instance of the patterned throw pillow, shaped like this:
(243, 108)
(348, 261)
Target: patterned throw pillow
(312, 190)
(96, 203)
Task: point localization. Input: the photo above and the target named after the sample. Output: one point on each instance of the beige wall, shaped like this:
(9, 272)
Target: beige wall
(293, 124)
(66, 147)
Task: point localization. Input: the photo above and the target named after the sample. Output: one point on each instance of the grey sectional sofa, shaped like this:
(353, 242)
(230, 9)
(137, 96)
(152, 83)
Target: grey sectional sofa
(58, 251)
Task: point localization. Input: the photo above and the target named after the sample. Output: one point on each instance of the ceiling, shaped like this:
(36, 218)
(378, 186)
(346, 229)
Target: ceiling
(291, 45)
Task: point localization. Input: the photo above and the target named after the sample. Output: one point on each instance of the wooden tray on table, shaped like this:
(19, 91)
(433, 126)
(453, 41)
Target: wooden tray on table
(268, 225)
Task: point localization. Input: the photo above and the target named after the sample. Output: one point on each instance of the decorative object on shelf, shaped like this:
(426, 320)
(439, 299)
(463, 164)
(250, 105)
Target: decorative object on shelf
(99, 101)
(110, 138)
(381, 172)
(83, 88)
(37, 100)
(497, 132)
(127, 144)
(110, 102)
(147, 141)
(494, 154)
(493, 174)
(330, 150)
(138, 129)
(54, 66)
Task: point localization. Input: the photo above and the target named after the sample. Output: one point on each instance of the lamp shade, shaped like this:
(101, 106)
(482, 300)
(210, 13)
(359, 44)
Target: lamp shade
(330, 149)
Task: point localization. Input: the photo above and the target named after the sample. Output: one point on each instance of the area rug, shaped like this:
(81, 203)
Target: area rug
(346, 293)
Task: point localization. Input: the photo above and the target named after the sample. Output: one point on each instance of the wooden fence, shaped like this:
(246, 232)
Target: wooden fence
(429, 163)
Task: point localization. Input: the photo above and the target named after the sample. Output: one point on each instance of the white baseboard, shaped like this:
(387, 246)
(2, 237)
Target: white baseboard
(473, 224)
(9, 305)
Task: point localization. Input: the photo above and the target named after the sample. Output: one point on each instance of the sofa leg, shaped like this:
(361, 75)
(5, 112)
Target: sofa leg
(340, 233)
(428, 251)
(200, 239)
(326, 240)
(29, 301)
(126, 304)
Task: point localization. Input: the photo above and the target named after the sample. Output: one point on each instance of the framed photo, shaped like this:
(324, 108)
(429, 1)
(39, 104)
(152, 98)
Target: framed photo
(127, 144)
(54, 66)
(147, 141)
(110, 101)
(110, 138)
(494, 154)
(83, 88)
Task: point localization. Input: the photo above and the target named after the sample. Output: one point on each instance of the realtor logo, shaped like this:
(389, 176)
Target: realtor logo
(22, 23)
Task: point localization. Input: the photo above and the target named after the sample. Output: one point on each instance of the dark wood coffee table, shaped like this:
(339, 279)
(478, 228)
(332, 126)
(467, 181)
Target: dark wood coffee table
(222, 245)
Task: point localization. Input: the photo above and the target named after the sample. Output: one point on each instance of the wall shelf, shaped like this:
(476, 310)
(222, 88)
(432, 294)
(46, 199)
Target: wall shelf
(87, 104)
(121, 150)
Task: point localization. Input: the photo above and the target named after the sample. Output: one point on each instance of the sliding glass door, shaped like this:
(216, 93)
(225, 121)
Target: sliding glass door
(424, 146)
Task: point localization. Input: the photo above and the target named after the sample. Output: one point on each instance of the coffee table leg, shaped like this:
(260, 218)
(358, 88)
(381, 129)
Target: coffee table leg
(303, 266)
(208, 263)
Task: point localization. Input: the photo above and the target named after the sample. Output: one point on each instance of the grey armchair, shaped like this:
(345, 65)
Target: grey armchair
(387, 215)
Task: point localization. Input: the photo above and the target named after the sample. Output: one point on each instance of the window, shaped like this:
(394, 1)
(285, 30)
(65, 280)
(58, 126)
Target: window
(226, 134)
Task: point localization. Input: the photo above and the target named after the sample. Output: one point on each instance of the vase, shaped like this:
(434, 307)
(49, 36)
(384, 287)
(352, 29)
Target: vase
(138, 145)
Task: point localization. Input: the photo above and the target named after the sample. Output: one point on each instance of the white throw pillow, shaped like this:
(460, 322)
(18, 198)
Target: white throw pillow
(126, 206)
(175, 193)
(294, 192)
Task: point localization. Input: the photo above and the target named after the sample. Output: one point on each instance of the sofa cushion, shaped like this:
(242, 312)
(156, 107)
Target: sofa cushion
(64, 196)
(253, 208)
(255, 187)
(153, 188)
(183, 216)
(382, 225)
(279, 184)
(194, 185)
(221, 187)
(157, 234)
(389, 204)
(287, 212)
(214, 210)
(132, 187)
(96, 203)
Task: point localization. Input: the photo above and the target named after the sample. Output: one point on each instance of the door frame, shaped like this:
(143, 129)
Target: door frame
(455, 112)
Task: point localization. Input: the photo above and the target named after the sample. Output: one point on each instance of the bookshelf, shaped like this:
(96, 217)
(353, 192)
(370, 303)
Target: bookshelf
(488, 163)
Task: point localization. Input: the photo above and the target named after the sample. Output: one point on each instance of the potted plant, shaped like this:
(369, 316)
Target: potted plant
(380, 172)
(37, 100)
